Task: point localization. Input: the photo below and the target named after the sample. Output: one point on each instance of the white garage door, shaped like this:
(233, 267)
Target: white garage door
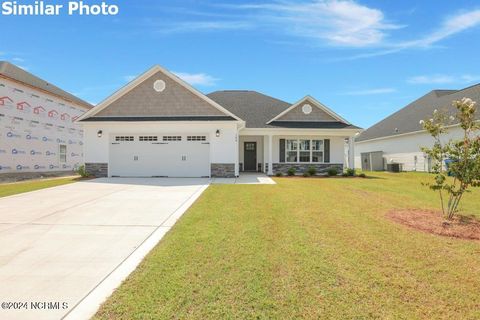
(155, 155)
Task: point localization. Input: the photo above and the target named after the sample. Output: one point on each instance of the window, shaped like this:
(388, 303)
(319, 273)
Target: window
(196, 138)
(123, 138)
(172, 138)
(250, 146)
(292, 150)
(148, 138)
(63, 153)
(303, 150)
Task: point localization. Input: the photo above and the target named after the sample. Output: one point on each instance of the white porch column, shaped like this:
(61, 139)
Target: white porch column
(270, 155)
(265, 154)
(351, 152)
(237, 154)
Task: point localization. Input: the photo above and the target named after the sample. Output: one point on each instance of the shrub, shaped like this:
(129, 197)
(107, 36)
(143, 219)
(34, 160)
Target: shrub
(344, 174)
(306, 174)
(362, 175)
(278, 174)
(463, 154)
(82, 172)
(291, 171)
(332, 171)
(312, 171)
(350, 172)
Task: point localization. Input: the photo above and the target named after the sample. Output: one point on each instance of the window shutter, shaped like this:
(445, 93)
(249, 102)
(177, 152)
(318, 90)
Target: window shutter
(282, 150)
(326, 149)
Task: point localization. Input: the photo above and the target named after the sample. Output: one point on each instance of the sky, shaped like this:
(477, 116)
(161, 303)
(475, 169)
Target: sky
(363, 59)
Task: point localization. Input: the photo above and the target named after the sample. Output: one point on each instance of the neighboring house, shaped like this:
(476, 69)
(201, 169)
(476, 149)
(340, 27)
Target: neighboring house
(399, 137)
(158, 125)
(31, 142)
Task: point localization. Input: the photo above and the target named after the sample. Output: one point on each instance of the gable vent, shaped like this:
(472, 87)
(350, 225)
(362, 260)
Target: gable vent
(159, 85)
(307, 109)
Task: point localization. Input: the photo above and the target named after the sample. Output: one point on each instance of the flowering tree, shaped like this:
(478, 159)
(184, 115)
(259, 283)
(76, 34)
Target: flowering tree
(463, 155)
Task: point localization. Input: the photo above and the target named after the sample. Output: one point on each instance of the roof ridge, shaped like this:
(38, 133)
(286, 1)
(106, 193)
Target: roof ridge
(471, 86)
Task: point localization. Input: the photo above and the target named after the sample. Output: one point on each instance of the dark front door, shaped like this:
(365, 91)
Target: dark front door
(250, 156)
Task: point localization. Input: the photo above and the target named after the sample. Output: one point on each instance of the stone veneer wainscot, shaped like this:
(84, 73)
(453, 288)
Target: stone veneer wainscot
(302, 167)
(97, 169)
(223, 170)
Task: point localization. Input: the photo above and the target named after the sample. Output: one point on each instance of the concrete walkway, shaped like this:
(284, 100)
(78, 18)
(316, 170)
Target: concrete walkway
(65, 248)
(246, 178)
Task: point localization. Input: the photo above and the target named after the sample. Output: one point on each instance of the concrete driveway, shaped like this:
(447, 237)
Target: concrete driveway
(59, 244)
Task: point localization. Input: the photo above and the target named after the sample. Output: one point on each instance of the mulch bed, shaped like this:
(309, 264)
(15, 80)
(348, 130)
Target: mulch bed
(433, 222)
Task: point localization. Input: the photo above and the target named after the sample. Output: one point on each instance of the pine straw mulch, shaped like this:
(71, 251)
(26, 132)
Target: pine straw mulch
(429, 221)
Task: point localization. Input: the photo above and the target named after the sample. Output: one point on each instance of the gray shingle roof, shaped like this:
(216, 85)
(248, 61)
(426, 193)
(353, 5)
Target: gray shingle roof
(13, 72)
(253, 107)
(407, 119)
(257, 109)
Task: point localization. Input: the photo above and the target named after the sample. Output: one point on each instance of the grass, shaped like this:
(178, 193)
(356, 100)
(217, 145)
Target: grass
(8, 189)
(305, 248)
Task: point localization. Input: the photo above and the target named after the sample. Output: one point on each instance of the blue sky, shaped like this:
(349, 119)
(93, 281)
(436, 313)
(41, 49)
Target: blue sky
(364, 59)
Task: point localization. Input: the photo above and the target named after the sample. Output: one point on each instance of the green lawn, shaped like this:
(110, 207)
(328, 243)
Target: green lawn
(8, 189)
(305, 248)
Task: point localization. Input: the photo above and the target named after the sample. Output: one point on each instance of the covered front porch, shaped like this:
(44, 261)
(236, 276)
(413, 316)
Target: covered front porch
(277, 153)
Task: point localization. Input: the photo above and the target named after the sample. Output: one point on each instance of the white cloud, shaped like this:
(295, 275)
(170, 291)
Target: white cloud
(443, 79)
(129, 78)
(370, 91)
(199, 26)
(200, 79)
(339, 22)
(450, 26)
(17, 59)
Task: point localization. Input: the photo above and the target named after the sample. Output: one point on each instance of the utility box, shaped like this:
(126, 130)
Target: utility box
(372, 161)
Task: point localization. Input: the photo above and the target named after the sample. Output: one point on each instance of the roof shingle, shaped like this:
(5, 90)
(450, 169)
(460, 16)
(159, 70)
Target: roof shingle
(13, 72)
(257, 109)
(407, 119)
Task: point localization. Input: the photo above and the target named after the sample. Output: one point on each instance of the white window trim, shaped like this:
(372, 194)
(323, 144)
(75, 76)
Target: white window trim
(60, 153)
(311, 151)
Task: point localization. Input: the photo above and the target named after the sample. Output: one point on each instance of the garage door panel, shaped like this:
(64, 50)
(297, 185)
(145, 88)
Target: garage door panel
(159, 158)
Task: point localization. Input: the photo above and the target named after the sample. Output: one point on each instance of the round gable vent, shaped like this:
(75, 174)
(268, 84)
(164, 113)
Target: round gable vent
(307, 109)
(159, 85)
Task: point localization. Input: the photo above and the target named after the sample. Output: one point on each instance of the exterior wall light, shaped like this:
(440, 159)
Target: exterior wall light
(99, 133)
(217, 133)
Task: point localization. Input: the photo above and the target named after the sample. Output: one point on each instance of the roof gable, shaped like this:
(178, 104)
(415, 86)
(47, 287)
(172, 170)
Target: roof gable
(173, 98)
(308, 109)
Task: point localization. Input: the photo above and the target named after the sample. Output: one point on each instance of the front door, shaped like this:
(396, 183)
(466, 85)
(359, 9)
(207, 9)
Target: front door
(250, 156)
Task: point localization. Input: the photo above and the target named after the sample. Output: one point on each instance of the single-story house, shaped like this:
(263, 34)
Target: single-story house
(158, 125)
(400, 137)
(33, 142)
